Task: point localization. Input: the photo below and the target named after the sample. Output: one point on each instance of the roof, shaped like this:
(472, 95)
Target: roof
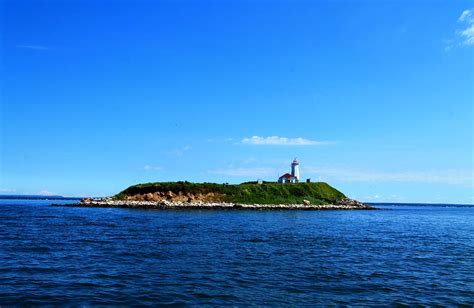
(287, 176)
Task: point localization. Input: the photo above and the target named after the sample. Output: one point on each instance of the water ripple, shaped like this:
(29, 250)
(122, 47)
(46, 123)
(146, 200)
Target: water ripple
(71, 256)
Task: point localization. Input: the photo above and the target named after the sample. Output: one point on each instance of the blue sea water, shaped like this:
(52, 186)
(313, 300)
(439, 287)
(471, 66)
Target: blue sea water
(402, 255)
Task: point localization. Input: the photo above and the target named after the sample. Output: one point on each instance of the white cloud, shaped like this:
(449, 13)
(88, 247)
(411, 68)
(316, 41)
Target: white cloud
(468, 35)
(7, 190)
(245, 172)
(464, 36)
(451, 177)
(46, 193)
(276, 140)
(152, 168)
(34, 47)
(465, 16)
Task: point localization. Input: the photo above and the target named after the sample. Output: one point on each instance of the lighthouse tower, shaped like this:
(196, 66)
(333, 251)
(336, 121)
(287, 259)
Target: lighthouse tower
(295, 170)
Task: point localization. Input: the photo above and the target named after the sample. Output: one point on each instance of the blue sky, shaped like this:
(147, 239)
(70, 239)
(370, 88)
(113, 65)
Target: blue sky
(374, 97)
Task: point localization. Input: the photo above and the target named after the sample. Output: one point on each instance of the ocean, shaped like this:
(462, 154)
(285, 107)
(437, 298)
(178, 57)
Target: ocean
(399, 255)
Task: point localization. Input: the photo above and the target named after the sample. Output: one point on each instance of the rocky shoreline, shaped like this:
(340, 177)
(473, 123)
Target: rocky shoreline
(343, 204)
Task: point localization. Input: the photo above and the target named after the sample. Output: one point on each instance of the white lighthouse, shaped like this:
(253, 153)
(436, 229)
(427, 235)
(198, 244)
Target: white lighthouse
(294, 177)
(295, 170)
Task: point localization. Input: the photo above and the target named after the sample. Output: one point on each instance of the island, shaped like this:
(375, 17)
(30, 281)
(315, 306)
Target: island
(248, 195)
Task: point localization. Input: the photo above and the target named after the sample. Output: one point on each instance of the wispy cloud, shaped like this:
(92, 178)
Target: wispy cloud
(382, 198)
(46, 193)
(245, 172)
(7, 190)
(219, 140)
(34, 47)
(468, 35)
(451, 177)
(277, 140)
(180, 151)
(464, 35)
(152, 168)
(466, 15)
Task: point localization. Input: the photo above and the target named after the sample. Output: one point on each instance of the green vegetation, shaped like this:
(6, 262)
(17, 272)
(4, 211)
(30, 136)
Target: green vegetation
(245, 193)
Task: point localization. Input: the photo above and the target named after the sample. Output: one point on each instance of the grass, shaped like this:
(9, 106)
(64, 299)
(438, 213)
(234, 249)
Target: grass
(246, 193)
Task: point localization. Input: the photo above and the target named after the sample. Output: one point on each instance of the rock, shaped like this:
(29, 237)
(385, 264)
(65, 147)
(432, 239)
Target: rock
(163, 200)
(351, 203)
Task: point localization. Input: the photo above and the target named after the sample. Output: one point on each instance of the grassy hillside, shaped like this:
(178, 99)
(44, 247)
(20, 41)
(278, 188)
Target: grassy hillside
(246, 193)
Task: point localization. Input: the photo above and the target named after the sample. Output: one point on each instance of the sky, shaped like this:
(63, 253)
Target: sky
(373, 97)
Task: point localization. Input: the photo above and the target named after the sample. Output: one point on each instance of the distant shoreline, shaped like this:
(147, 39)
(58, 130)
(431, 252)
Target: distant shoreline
(418, 204)
(36, 197)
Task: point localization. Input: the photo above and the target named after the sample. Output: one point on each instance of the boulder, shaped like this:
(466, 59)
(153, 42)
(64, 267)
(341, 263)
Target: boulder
(351, 203)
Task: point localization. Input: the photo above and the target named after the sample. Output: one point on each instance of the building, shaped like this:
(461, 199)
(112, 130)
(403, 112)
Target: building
(294, 177)
(287, 178)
